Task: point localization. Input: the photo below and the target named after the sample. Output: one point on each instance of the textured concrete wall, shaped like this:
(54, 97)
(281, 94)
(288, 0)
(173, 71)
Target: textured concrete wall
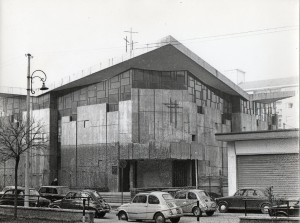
(44, 163)
(154, 173)
(244, 122)
(12, 105)
(90, 146)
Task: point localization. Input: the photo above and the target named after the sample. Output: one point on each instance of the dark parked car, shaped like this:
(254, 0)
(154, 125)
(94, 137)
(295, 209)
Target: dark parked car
(8, 198)
(289, 208)
(256, 199)
(53, 193)
(8, 188)
(74, 200)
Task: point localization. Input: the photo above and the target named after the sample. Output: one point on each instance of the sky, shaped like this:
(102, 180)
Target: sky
(260, 37)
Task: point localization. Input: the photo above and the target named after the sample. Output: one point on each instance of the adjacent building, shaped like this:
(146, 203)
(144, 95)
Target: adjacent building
(287, 109)
(154, 115)
(263, 159)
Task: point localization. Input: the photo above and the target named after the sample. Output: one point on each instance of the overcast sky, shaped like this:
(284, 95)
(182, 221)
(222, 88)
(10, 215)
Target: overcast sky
(260, 37)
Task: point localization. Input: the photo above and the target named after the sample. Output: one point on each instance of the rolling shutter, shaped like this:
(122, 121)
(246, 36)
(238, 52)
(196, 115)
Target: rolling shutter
(280, 171)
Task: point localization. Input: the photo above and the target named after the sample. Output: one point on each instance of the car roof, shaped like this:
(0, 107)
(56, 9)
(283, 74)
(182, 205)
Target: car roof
(252, 188)
(153, 192)
(21, 188)
(12, 187)
(191, 190)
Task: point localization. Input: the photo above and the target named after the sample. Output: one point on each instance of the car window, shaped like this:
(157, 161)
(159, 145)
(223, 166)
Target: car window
(192, 196)
(202, 193)
(63, 190)
(71, 195)
(260, 193)
(153, 199)
(43, 190)
(21, 193)
(96, 194)
(251, 193)
(180, 195)
(84, 195)
(5, 196)
(140, 199)
(167, 197)
(52, 191)
(9, 192)
(239, 193)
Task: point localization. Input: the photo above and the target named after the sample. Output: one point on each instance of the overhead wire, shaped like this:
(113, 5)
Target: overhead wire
(156, 44)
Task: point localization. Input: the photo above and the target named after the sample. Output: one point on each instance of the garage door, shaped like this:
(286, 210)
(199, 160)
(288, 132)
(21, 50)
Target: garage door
(279, 171)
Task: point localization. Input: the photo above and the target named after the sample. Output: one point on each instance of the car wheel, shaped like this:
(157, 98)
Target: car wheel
(122, 216)
(223, 207)
(175, 220)
(209, 213)
(197, 211)
(265, 208)
(159, 218)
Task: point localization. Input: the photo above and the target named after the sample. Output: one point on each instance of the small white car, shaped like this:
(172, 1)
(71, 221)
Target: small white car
(187, 199)
(157, 206)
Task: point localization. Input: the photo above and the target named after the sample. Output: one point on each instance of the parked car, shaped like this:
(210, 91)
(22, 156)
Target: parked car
(53, 193)
(289, 208)
(187, 200)
(8, 198)
(155, 205)
(8, 188)
(256, 199)
(74, 200)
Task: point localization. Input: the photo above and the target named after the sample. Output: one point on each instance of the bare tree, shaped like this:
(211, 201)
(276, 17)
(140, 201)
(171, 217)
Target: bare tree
(14, 142)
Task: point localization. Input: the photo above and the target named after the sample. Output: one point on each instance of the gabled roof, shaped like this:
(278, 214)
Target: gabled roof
(170, 56)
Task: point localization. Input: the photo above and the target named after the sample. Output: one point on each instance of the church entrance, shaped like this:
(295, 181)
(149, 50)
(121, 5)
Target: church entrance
(182, 173)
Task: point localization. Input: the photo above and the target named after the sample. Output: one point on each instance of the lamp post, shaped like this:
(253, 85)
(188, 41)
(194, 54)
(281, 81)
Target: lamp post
(30, 90)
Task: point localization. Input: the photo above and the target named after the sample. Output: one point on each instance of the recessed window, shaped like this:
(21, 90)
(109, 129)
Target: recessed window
(85, 123)
(200, 110)
(193, 138)
(290, 105)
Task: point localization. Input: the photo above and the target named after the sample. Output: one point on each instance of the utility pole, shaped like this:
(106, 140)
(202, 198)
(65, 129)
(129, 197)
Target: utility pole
(130, 41)
(27, 153)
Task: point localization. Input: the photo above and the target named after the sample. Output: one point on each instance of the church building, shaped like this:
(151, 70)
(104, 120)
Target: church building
(152, 118)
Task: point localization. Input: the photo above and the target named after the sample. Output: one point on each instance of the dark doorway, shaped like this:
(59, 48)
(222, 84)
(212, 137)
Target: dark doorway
(181, 173)
(126, 179)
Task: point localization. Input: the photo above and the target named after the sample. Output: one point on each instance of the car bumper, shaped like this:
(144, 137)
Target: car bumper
(173, 213)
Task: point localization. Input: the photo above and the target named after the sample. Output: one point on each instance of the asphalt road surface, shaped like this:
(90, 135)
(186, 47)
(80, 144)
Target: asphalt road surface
(216, 218)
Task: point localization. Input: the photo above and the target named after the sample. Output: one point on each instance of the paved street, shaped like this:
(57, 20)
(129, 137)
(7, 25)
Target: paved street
(216, 218)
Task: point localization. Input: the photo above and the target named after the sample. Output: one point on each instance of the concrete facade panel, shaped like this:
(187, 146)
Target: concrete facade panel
(197, 151)
(180, 150)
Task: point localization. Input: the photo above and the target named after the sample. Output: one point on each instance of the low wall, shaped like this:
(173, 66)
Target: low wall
(48, 214)
(269, 219)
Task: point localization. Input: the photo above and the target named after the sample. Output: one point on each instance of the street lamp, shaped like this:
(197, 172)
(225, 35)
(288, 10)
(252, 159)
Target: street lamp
(29, 89)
